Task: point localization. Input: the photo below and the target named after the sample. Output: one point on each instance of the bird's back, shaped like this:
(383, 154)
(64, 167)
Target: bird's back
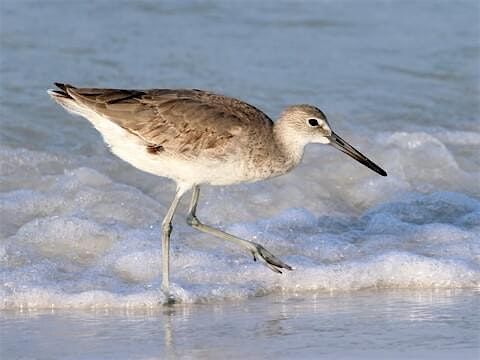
(187, 123)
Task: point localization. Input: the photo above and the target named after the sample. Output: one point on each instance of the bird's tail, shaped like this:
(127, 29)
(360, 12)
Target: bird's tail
(61, 92)
(62, 97)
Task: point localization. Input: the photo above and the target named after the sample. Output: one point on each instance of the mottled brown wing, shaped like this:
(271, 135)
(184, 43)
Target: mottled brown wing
(190, 123)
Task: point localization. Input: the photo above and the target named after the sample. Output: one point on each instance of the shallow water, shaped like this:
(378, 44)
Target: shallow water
(364, 324)
(400, 80)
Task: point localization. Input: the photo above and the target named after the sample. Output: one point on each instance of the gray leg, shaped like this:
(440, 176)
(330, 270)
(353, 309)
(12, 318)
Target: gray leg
(166, 230)
(257, 250)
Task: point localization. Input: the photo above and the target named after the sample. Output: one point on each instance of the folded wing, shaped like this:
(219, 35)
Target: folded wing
(189, 123)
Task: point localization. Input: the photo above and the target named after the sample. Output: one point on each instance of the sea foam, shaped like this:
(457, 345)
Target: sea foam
(81, 232)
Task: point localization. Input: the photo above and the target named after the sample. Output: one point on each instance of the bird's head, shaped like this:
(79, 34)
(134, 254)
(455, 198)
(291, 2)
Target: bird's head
(306, 124)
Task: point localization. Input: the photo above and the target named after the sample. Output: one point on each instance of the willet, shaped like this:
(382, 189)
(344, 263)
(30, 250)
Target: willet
(196, 137)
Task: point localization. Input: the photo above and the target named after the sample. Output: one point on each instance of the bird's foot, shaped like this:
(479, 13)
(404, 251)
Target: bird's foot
(268, 259)
(170, 300)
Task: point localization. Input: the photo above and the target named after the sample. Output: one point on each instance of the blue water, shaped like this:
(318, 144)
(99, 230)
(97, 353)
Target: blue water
(79, 228)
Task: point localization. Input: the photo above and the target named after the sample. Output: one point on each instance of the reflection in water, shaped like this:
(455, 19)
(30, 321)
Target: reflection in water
(364, 323)
(168, 333)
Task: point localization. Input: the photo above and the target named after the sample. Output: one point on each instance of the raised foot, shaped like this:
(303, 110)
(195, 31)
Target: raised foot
(268, 259)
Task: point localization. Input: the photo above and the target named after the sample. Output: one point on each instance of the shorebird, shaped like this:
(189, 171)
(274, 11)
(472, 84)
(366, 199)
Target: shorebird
(196, 137)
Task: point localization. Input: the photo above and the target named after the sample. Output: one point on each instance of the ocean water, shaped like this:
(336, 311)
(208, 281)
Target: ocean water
(392, 324)
(80, 229)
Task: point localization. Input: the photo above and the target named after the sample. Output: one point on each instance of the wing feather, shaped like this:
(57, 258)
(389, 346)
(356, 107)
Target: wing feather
(189, 123)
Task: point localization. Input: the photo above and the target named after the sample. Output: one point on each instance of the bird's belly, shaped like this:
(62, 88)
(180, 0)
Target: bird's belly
(188, 171)
(229, 169)
(133, 150)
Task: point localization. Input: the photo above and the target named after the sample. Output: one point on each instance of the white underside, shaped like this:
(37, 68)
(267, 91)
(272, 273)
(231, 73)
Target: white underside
(133, 150)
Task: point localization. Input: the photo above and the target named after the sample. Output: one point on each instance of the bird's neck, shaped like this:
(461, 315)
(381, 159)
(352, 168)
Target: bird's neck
(290, 147)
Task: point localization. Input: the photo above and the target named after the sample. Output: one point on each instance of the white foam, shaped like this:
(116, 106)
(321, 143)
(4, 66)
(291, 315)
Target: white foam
(74, 234)
(138, 266)
(71, 238)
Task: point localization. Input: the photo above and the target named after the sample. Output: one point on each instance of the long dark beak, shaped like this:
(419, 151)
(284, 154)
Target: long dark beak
(337, 142)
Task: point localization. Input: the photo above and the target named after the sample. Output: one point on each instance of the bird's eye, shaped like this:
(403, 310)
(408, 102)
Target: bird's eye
(312, 122)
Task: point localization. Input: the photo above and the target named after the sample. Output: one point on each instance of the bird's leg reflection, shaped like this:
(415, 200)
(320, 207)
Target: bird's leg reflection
(168, 334)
